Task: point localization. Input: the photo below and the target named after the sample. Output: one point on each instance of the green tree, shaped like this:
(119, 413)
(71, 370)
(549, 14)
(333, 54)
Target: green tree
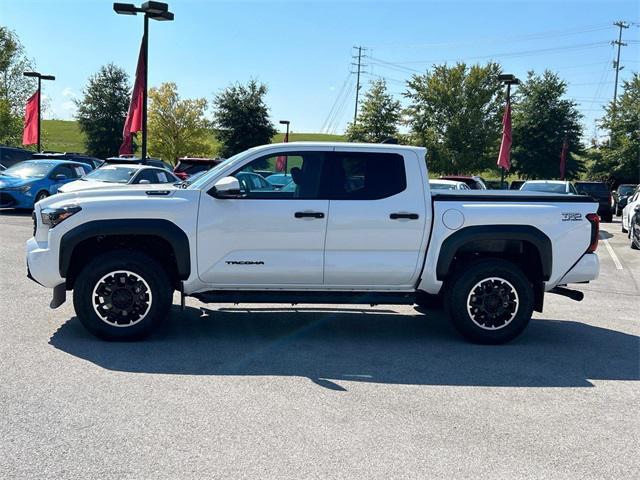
(542, 120)
(103, 109)
(15, 88)
(455, 111)
(177, 127)
(619, 161)
(379, 116)
(242, 117)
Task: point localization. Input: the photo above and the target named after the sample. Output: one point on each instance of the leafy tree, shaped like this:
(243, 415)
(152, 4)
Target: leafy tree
(542, 120)
(620, 160)
(242, 117)
(379, 116)
(103, 109)
(177, 127)
(455, 111)
(15, 88)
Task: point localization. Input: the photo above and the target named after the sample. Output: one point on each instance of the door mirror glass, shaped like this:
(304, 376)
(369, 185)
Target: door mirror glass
(227, 187)
(60, 177)
(144, 181)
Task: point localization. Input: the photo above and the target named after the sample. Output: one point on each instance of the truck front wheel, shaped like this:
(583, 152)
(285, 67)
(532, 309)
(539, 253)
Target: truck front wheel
(489, 301)
(122, 295)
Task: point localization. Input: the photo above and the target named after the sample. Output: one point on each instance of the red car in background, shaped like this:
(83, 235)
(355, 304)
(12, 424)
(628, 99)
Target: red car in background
(188, 166)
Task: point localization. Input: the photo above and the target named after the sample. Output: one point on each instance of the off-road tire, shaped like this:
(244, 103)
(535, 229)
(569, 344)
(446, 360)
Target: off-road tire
(472, 293)
(135, 286)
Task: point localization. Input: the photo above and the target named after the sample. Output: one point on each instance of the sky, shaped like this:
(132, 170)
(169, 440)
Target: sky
(303, 50)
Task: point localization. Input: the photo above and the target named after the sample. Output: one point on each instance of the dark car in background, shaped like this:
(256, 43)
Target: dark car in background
(634, 229)
(598, 191)
(496, 185)
(129, 160)
(474, 183)
(516, 184)
(188, 166)
(621, 195)
(93, 162)
(9, 156)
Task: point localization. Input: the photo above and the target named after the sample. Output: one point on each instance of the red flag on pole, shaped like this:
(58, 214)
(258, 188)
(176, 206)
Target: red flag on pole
(563, 158)
(505, 145)
(281, 162)
(30, 132)
(133, 122)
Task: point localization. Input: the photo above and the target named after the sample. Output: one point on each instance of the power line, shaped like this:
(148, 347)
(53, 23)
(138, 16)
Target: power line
(502, 39)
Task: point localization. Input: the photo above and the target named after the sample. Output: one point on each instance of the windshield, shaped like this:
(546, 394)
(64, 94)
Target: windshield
(112, 174)
(204, 179)
(29, 170)
(626, 189)
(545, 187)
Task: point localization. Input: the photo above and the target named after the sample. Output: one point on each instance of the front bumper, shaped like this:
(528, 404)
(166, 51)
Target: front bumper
(42, 264)
(15, 199)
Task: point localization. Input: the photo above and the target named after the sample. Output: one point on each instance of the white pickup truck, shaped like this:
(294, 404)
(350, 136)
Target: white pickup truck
(356, 223)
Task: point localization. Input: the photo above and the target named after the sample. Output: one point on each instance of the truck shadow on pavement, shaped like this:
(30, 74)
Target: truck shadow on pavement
(334, 346)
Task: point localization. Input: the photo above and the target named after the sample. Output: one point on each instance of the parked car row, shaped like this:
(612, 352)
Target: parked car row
(631, 218)
(27, 177)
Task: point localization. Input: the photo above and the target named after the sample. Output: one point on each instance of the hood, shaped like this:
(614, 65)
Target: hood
(108, 194)
(7, 181)
(85, 185)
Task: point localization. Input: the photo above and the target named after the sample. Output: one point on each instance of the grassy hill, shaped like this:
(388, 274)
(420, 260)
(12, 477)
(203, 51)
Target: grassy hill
(65, 136)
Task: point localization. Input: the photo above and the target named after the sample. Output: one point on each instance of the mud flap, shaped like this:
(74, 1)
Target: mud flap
(59, 295)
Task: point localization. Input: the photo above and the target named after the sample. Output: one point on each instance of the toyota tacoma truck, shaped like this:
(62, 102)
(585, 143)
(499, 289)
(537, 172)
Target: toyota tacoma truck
(357, 223)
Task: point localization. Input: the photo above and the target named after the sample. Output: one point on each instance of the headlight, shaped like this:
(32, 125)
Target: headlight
(23, 188)
(53, 216)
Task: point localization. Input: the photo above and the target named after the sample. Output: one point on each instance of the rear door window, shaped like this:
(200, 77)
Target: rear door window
(364, 176)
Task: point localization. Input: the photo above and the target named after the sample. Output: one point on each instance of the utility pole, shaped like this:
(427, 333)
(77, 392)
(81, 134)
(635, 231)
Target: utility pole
(620, 24)
(359, 67)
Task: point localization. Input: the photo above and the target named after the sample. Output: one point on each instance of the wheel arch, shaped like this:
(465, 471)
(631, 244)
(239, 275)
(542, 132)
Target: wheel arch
(517, 241)
(159, 238)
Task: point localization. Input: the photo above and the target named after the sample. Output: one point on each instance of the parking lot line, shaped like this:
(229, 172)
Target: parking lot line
(613, 255)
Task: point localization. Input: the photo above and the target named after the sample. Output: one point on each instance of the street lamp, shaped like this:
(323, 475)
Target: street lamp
(286, 136)
(508, 79)
(40, 77)
(154, 11)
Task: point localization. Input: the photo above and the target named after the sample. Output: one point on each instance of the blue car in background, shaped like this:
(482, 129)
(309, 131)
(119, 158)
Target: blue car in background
(28, 182)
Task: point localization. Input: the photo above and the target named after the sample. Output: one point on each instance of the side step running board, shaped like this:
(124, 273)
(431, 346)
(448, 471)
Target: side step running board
(297, 297)
(565, 292)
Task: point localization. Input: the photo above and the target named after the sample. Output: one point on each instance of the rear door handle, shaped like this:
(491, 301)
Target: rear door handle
(410, 216)
(309, 215)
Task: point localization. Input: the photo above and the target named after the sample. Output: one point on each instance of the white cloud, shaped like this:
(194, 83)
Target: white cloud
(67, 92)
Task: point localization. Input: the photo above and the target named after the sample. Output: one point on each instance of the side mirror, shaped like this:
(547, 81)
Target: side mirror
(227, 187)
(636, 209)
(144, 181)
(60, 177)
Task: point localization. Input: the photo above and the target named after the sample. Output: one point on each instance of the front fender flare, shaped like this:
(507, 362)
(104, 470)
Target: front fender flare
(169, 231)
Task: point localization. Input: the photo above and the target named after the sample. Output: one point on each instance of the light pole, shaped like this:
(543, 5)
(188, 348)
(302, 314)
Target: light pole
(40, 77)
(508, 79)
(155, 11)
(286, 135)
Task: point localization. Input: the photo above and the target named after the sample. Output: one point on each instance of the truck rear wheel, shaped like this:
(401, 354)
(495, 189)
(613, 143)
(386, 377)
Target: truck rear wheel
(490, 301)
(122, 295)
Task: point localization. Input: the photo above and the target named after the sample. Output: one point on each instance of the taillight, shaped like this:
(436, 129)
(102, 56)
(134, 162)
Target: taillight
(594, 220)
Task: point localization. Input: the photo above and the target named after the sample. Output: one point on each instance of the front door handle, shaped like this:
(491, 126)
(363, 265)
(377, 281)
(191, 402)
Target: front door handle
(309, 215)
(410, 216)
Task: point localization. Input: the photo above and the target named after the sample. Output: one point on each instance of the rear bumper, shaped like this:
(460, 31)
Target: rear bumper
(587, 269)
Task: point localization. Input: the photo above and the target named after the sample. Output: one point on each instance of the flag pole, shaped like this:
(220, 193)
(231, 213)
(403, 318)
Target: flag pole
(145, 41)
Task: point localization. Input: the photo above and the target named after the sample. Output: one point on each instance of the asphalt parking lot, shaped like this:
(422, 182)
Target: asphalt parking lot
(276, 392)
